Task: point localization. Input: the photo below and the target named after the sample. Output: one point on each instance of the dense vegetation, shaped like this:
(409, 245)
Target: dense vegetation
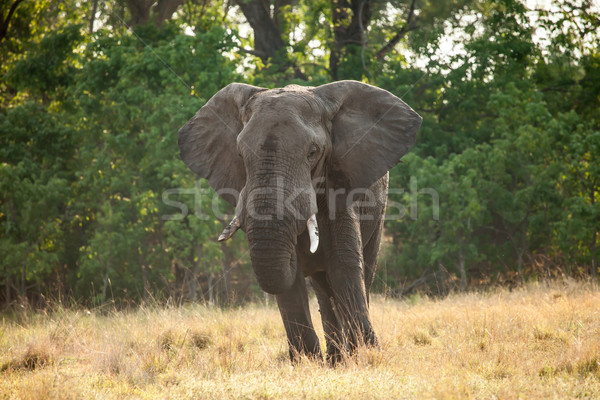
(504, 183)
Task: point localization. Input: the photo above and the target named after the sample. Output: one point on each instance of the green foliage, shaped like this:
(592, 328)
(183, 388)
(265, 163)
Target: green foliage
(504, 182)
(135, 92)
(88, 147)
(508, 156)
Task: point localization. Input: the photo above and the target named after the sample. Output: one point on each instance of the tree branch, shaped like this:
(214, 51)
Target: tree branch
(139, 10)
(267, 38)
(363, 36)
(164, 9)
(6, 21)
(410, 25)
(92, 16)
(251, 52)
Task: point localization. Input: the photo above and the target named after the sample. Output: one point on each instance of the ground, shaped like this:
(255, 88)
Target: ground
(538, 341)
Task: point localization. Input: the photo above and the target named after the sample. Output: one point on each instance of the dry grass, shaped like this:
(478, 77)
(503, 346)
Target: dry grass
(534, 342)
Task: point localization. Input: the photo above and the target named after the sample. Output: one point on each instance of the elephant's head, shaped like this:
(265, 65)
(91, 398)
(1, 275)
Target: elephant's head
(263, 150)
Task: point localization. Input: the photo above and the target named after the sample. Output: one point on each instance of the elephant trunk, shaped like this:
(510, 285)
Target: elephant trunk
(273, 217)
(273, 259)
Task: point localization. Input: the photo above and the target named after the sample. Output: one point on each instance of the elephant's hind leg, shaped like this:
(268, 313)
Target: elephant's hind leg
(370, 252)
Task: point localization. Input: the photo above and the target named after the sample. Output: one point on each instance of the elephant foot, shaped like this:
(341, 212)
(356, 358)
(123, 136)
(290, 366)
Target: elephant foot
(371, 339)
(362, 336)
(334, 358)
(298, 351)
(338, 352)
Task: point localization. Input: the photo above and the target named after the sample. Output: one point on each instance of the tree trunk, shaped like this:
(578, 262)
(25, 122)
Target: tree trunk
(24, 276)
(520, 264)
(93, 16)
(180, 280)
(142, 10)
(226, 274)
(208, 271)
(145, 269)
(594, 271)
(146, 282)
(105, 285)
(192, 279)
(192, 284)
(350, 18)
(7, 288)
(462, 270)
(226, 293)
(164, 10)
(268, 32)
(211, 291)
(267, 36)
(594, 259)
(522, 248)
(5, 21)
(40, 299)
(139, 11)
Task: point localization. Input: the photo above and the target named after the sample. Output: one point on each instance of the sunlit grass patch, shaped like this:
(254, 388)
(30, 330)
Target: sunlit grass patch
(532, 342)
(35, 355)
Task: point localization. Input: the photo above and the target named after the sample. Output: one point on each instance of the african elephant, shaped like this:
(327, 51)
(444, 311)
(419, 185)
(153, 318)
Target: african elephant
(294, 162)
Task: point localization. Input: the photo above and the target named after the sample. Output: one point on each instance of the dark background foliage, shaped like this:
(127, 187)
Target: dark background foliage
(502, 186)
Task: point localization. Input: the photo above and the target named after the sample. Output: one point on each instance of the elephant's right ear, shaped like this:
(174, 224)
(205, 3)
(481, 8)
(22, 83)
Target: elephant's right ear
(208, 141)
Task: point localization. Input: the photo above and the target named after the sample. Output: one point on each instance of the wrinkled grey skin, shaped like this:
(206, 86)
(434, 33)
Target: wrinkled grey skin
(316, 147)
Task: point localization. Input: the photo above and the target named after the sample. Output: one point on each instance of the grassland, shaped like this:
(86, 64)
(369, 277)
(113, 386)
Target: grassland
(538, 341)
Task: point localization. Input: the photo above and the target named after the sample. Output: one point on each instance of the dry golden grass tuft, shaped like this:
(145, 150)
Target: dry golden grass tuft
(539, 341)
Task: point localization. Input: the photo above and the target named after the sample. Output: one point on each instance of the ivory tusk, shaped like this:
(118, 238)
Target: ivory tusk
(230, 229)
(313, 233)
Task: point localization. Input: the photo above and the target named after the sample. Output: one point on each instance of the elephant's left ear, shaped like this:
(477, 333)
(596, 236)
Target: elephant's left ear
(371, 128)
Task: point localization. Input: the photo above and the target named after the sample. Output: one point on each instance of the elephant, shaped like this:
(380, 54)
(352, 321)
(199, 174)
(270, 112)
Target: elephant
(307, 171)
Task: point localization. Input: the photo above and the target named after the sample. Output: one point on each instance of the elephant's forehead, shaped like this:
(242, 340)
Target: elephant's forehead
(285, 100)
(277, 114)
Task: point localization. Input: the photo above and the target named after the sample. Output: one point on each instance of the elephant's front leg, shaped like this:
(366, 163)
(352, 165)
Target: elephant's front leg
(331, 326)
(293, 306)
(347, 278)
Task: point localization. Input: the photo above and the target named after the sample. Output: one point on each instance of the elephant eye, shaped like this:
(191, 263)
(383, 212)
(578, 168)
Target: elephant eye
(312, 152)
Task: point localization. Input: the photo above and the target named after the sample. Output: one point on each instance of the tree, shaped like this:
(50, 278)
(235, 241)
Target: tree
(5, 18)
(502, 180)
(35, 189)
(142, 11)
